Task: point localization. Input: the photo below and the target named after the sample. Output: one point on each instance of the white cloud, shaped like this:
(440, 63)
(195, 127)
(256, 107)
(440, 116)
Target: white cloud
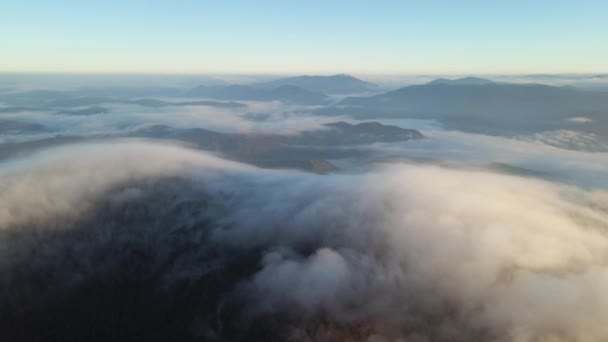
(421, 250)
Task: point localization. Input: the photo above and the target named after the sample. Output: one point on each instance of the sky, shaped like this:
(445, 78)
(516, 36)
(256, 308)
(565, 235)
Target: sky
(313, 37)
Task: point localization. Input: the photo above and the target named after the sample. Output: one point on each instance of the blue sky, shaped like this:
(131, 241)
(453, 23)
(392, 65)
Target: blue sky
(315, 37)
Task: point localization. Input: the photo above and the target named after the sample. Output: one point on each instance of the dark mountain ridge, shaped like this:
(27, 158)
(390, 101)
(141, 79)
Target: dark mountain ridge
(491, 106)
(308, 150)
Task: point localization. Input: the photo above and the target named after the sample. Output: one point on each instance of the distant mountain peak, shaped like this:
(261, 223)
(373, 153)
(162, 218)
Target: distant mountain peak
(462, 81)
(339, 124)
(331, 84)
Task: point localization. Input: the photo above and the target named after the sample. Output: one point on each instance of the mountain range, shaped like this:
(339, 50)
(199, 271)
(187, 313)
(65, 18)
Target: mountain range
(334, 84)
(308, 150)
(300, 151)
(302, 90)
(482, 105)
(60, 101)
(462, 81)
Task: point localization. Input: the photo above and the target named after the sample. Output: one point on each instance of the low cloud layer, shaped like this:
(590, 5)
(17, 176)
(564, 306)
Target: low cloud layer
(257, 117)
(554, 155)
(422, 253)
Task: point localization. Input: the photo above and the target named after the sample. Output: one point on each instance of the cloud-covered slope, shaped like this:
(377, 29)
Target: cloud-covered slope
(131, 241)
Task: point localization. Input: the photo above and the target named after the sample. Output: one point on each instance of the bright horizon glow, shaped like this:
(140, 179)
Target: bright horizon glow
(313, 37)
